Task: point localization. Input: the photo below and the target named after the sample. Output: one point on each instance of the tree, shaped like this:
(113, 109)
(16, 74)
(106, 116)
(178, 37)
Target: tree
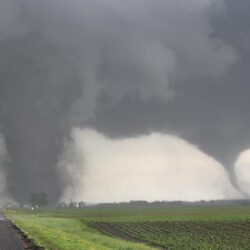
(39, 199)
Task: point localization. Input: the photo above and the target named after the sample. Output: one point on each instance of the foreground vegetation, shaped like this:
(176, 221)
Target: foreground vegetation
(167, 228)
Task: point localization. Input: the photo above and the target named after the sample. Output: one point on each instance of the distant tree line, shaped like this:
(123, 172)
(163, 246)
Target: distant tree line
(39, 199)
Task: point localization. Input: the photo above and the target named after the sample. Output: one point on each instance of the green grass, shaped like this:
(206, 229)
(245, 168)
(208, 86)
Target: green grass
(52, 232)
(217, 227)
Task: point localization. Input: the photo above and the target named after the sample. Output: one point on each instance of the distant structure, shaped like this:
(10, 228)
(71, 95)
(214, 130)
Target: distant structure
(9, 205)
(73, 204)
(27, 207)
(81, 204)
(62, 204)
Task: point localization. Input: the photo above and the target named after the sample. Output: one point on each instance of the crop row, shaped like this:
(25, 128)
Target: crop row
(188, 235)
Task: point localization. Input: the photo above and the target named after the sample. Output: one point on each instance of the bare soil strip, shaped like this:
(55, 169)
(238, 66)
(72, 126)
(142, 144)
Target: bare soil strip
(111, 230)
(9, 238)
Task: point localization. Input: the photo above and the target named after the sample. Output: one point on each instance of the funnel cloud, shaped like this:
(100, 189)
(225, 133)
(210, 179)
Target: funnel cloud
(242, 167)
(125, 70)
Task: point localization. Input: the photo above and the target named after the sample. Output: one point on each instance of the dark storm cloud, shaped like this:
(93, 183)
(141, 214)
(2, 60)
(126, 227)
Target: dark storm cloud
(213, 114)
(34, 100)
(126, 68)
(3, 160)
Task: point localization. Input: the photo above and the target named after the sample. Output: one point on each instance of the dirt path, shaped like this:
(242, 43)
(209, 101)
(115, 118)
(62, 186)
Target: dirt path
(9, 238)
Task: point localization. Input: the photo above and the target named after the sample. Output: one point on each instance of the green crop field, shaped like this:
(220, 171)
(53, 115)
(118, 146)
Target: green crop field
(215, 227)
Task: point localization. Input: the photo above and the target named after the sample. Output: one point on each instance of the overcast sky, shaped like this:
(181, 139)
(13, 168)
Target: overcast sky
(123, 69)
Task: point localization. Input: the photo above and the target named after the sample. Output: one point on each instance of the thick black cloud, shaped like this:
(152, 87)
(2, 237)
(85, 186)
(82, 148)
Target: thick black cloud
(125, 69)
(213, 114)
(34, 102)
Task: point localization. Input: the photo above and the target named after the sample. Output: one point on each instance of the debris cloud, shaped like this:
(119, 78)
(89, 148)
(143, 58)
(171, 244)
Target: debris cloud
(150, 167)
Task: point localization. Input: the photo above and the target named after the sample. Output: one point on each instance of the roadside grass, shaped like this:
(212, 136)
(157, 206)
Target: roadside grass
(54, 233)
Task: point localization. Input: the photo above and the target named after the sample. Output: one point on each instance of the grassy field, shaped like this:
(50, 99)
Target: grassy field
(115, 228)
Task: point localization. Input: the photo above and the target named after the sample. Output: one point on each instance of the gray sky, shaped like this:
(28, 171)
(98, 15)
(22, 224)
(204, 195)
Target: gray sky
(124, 68)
